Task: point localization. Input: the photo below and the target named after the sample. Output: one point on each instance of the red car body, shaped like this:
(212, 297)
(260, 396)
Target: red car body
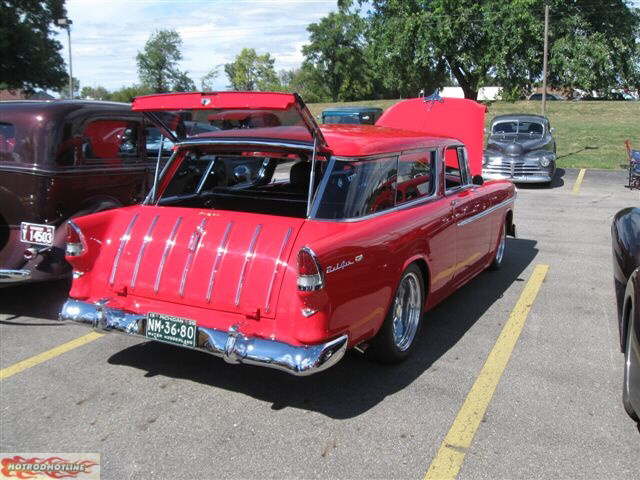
(292, 291)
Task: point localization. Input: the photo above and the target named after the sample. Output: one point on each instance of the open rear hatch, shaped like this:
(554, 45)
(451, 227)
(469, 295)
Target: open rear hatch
(238, 115)
(220, 260)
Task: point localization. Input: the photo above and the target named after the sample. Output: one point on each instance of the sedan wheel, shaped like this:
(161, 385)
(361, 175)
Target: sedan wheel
(626, 401)
(500, 250)
(396, 337)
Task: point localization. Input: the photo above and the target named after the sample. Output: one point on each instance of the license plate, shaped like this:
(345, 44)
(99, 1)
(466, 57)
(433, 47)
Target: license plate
(36, 233)
(168, 329)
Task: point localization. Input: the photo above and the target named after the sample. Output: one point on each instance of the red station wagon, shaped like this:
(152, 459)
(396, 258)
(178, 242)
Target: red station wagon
(286, 244)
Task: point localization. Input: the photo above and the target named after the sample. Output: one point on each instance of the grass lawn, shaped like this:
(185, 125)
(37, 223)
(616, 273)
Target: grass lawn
(588, 134)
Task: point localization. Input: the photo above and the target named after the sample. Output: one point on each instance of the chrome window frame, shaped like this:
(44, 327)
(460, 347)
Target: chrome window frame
(402, 206)
(466, 182)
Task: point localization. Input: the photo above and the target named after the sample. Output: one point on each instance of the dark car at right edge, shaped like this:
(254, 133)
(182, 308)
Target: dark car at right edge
(625, 235)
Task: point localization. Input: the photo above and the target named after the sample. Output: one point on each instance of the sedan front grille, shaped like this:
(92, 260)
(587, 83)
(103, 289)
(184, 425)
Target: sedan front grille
(513, 169)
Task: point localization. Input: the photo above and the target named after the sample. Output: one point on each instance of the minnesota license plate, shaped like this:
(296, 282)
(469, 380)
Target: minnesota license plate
(36, 233)
(168, 329)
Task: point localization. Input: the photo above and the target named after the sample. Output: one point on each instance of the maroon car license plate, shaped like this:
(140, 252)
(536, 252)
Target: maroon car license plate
(36, 233)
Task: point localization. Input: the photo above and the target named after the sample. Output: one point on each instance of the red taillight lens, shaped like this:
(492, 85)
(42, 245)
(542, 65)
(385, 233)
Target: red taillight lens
(309, 271)
(74, 240)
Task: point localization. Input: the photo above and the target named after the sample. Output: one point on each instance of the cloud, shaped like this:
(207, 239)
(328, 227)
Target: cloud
(106, 36)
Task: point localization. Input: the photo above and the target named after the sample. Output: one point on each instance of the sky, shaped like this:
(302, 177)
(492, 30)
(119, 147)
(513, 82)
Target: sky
(107, 35)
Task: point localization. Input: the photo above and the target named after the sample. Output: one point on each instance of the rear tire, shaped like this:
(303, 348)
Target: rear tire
(501, 249)
(395, 340)
(626, 402)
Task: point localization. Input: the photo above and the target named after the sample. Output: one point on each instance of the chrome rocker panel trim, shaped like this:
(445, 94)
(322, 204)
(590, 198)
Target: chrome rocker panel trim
(10, 276)
(232, 346)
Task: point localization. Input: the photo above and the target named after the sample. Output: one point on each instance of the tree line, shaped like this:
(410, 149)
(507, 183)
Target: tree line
(385, 49)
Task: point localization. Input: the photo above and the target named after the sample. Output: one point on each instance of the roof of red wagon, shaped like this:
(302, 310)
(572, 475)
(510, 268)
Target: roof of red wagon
(344, 140)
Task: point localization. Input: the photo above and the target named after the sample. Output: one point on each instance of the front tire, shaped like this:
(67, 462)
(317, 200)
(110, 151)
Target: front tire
(626, 401)
(396, 338)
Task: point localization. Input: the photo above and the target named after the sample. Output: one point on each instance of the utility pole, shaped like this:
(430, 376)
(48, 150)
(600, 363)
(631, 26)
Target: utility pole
(66, 24)
(544, 60)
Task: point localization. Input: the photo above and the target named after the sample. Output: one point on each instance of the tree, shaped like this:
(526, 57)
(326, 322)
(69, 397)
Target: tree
(493, 41)
(29, 56)
(63, 92)
(336, 52)
(95, 93)
(594, 45)
(127, 94)
(207, 81)
(250, 71)
(158, 63)
(307, 82)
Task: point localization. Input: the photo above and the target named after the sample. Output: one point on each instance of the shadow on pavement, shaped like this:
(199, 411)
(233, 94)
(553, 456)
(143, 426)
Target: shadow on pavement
(354, 385)
(38, 300)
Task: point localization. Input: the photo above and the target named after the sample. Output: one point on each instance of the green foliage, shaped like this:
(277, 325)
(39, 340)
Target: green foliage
(336, 54)
(63, 92)
(95, 93)
(206, 82)
(307, 82)
(127, 94)
(250, 72)
(29, 56)
(158, 63)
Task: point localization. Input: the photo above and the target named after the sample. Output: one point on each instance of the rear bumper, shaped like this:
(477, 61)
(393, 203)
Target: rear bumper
(14, 276)
(232, 346)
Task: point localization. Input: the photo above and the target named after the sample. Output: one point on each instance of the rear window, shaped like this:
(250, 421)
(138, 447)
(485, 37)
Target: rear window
(259, 182)
(359, 187)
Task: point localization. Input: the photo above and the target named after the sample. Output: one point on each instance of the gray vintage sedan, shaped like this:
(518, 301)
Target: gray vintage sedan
(520, 148)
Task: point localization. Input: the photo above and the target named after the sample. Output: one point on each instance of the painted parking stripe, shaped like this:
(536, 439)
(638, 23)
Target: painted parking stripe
(48, 355)
(450, 456)
(576, 186)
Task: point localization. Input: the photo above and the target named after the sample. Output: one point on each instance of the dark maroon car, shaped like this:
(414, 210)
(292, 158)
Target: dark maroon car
(61, 159)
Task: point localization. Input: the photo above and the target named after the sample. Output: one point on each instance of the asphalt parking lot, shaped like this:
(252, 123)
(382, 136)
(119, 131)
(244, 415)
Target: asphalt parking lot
(155, 411)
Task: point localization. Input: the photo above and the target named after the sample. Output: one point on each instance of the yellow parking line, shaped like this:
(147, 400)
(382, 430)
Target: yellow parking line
(48, 355)
(576, 186)
(453, 449)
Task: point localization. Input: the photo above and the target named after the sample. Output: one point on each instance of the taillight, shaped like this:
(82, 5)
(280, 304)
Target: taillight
(309, 271)
(74, 240)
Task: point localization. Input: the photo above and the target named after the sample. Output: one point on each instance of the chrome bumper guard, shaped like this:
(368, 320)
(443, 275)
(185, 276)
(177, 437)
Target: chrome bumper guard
(232, 346)
(11, 276)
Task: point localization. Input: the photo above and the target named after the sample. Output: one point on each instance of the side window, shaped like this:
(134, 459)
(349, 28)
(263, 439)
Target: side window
(415, 176)
(455, 169)
(110, 141)
(153, 140)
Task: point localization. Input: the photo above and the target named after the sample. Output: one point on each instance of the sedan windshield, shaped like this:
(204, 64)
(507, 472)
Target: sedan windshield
(516, 127)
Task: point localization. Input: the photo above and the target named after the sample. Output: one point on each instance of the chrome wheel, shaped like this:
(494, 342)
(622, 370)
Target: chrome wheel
(501, 247)
(406, 310)
(626, 387)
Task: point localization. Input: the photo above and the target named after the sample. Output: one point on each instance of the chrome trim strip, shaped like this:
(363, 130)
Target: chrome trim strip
(232, 345)
(9, 276)
(35, 170)
(276, 268)
(247, 259)
(222, 250)
(171, 241)
(145, 242)
(485, 213)
(195, 242)
(241, 142)
(123, 243)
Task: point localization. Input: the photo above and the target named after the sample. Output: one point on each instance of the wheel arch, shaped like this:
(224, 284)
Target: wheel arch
(423, 265)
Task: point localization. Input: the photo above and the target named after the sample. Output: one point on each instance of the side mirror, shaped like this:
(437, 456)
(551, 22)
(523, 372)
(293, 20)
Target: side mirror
(477, 180)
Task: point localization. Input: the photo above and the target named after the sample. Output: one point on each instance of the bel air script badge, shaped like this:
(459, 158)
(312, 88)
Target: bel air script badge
(344, 264)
